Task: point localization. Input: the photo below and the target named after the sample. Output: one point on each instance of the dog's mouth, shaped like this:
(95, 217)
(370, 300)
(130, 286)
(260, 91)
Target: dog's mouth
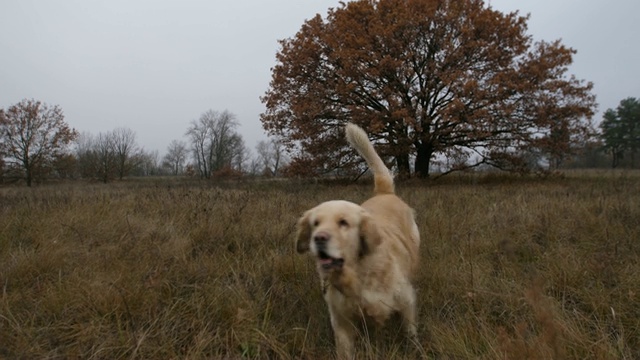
(327, 262)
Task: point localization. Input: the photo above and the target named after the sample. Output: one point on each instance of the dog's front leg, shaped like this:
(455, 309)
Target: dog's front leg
(346, 282)
(345, 337)
(408, 311)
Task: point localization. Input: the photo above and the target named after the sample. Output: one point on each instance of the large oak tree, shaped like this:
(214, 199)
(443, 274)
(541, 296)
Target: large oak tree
(427, 79)
(33, 136)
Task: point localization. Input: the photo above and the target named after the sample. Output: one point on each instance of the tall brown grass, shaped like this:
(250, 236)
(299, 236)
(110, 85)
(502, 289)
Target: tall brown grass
(512, 268)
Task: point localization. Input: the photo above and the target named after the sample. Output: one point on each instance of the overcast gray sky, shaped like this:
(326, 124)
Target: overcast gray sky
(155, 65)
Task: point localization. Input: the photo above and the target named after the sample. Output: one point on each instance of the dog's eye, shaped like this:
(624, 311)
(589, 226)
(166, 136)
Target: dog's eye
(343, 222)
(316, 223)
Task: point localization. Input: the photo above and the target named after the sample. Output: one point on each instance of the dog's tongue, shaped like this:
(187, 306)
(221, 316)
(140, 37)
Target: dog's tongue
(331, 263)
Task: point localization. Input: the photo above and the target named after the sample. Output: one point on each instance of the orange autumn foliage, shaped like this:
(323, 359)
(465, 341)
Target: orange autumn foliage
(427, 79)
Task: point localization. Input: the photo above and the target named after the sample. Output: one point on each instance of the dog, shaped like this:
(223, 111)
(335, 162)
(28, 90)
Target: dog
(365, 254)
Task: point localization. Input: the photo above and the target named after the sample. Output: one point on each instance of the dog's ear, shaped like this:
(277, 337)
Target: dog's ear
(303, 234)
(369, 235)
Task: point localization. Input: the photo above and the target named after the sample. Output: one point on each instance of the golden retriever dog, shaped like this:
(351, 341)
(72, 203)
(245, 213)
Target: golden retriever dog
(365, 254)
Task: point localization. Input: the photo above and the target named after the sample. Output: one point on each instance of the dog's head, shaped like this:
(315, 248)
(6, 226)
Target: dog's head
(337, 233)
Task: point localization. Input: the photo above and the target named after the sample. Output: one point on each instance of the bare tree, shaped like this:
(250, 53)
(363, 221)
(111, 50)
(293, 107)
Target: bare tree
(85, 155)
(272, 156)
(97, 156)
(226, 142)
(124, 147)
(32, 136)
(254, 166)
(238, 152)
(199, 133)
(146, 163)
(176, 157)
(214, 142)
(105, 157)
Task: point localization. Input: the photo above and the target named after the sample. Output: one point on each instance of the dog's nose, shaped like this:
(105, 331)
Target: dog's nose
(321, 237)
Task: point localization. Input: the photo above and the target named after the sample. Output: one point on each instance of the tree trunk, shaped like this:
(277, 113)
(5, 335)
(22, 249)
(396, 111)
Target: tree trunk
(29, 177)
(615, 159)
(423, 159)
(121, 169)
(404, 170)
(28, 171)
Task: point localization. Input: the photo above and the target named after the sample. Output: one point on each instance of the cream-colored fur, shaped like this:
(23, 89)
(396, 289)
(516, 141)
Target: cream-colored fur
(365, 254)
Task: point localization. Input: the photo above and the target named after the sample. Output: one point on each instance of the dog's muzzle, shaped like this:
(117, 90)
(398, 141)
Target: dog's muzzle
(325, 260)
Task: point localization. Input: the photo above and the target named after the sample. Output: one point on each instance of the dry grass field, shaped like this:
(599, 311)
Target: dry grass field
(512, 268)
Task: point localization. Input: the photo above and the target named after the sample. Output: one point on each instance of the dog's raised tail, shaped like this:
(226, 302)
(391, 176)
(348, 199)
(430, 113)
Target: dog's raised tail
(381, 174)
